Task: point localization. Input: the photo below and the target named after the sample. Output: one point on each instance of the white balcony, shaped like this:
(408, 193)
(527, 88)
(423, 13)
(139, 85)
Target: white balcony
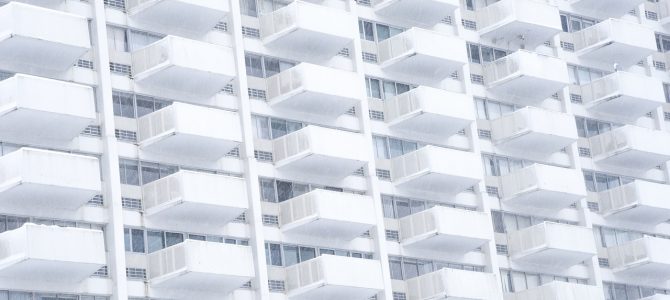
(189, 130)
(613, 8)
(543, 186)
(295, 28)
(436, 169)
(319, 151)
(41, 180)
(638, 201)
(428, 12)
(552, 244)
(423, 53)
(313, 89)
(631, 147)
(334, 277)
(534, 128)
(51, 253)
(427, 110)
(180, 66)
(27, 45)
(328, 214)
(188, 196)
(200, 266)
(453, 284)
(623, 94)
(537, 21)
(643, 258)
(197, 16)
(559, 290)
(526, 75)
(39, 109)
(442, 227)
(615, 41)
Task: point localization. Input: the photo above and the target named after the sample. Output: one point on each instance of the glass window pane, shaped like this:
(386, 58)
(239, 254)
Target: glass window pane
(150, 172)
(493, 109)
(481, 109)
(307, 253)
(284, 190)
(387, 204)
(374, 89)
(172, 238)
(487, 54)
(410, 269)
(396, 269)
(389, 90)
(267, 190)
(137, 236)
(290, 255)
(271, 66)
(299, 189)
(254, 65)
(395, 148)
(518, 281)
(278, 128)
(402, 207)
(155, 241)
(474, 54)
(261, 127)
(381, 148)
(382, 32)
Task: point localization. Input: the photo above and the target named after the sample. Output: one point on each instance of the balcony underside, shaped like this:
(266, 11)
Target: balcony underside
(47, 270)
(510, 31)
(34, 125)
(524, 86)
(331, 292)
(436, 182)
(180, 15)
(540, 142)
(429, 123)
(317, 164)
(326, 228)
(543, 198)
(425, 66)
(552, 257)
(614, 52)
(312, 102)
(22, 196)
(198, 281)
(646, 270)
(304, 43)
(634, 159)
(179, 144)
(427, 12)
(640, 214)
(447, 242)
(171, 78)
(630, 107)
(180, 211)
(25, 54)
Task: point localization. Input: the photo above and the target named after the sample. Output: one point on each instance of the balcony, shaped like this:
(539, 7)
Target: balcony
(613, 8)
(197, 16)
(527, 75)
(442, 228)
(427, 12)
(657, 297)
(537, 21)
(51, 253)
(431, 111)
(552, 244)
(188, 130)
(638, 201)
(438, 170)
(543, 186)
(188, 196)
(623, 94)
(313, 89)
(318, 151)
(200, 266)
(631, 147)
(543, 131)
(615, 41)
(453, 284)
(328, 214)
(293, 30)
(334, 277)
(37, 180)
(39, 109)
(558, 290)
(26, 45)
(643, 258)
(423, 53)
(178, 66)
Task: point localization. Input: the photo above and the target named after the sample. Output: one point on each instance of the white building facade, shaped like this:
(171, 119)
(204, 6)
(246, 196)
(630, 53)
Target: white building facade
(334, 149)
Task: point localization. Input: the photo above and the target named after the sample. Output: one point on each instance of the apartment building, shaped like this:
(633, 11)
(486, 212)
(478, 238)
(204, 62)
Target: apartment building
(334, 149)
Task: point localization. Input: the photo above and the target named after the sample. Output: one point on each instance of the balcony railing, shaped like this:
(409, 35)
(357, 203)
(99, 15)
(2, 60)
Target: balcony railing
(552, 244)
(615, 41)
(638, 201)
(171, 16)
(536, 20)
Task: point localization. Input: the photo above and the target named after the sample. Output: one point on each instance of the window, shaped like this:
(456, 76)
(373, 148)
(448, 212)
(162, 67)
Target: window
(129, 171)
(489, 110)
(666, 90)
(248, 7)
(479, 54)
(117, 39)
(403, 268)
(154, 171)
(395, 147)
(572, 23)
(371, 31)
(262, 66)
(398, 207)
(498, 165)
(134, 106)
(273, 254)
(385, 89)
(267, 128)
(514, 281)
(662, 43)
(139, 39)
(582, 75)
(121, 39)
(134, 240)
